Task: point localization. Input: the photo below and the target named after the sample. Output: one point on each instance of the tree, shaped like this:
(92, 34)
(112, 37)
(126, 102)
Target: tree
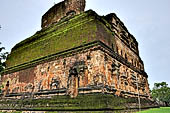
(161, 93)
(3, 56)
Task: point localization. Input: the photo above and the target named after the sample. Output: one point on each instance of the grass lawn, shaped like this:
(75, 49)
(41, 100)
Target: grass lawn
(157, 110)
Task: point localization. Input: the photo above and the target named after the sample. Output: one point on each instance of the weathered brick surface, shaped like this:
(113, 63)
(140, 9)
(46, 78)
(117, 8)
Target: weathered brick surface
(125, 43)
(102, 57)
(94, 68)
(63, 9)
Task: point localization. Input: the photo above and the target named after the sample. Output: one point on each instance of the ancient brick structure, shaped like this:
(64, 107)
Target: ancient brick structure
(62, 10)
(80, 54)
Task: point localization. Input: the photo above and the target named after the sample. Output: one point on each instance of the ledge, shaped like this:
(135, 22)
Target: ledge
(95, 101)
(98, 44)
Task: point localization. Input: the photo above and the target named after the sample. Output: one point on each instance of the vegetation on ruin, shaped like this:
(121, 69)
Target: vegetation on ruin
(53, 39)
(80, 30)
(88, 101)
(161, 93)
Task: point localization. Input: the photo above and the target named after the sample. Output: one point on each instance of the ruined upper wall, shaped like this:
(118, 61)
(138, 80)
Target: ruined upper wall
(61, 10)
(126, 44)
(122, 33)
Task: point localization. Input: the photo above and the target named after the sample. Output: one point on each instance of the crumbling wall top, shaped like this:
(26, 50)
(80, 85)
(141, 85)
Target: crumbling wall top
(119, 28)
(61, 10)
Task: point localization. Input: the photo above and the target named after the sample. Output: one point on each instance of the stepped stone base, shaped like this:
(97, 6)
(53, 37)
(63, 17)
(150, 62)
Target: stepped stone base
(88, 102)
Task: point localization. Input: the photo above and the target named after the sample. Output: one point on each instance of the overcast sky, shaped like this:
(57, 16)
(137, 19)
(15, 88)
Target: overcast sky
(147, 20)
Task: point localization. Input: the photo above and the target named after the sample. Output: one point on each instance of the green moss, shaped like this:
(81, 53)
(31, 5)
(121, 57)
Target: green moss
(54, 39)
(82, 102)
(63, 54)
(82, 29)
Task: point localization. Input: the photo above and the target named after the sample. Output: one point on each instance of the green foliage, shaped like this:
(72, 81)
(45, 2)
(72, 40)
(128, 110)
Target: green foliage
(161, 93)
(3, 56)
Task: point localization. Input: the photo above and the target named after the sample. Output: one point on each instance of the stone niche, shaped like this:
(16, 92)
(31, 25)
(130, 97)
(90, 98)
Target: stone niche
(66, 8)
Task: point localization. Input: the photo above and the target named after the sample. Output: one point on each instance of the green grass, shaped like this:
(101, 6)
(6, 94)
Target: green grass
(86, 112)
(157, 110)
(12, 112)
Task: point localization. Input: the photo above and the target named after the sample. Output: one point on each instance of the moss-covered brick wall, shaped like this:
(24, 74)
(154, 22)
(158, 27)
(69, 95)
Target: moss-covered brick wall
(80, 30)
(95, 65)
(94, 102)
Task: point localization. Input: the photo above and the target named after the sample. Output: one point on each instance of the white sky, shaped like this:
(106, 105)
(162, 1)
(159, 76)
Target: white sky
(147, 20)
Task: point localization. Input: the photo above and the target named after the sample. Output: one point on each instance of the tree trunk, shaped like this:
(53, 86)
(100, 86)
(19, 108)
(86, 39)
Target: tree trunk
(166, 104)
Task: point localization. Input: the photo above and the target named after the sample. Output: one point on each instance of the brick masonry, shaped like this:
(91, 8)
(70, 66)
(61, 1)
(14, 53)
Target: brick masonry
(63, 9)
(94, 68)
(113, 65)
